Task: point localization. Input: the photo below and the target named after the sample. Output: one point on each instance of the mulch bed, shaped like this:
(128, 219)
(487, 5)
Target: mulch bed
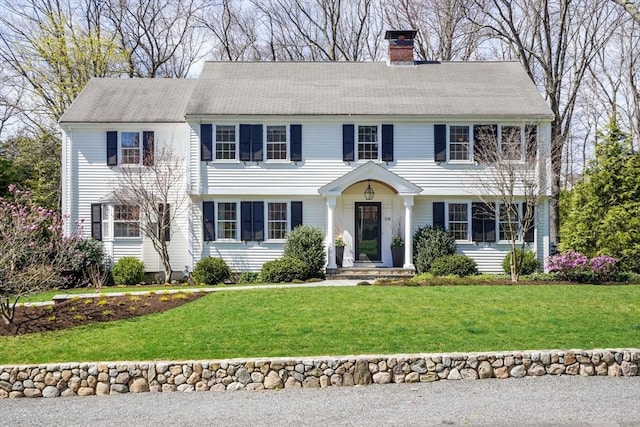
(83, 311)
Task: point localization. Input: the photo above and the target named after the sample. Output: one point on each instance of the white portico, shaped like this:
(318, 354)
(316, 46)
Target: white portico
(368, 206)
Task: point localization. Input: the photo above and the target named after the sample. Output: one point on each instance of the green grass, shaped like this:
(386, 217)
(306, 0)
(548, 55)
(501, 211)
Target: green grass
(354, 320)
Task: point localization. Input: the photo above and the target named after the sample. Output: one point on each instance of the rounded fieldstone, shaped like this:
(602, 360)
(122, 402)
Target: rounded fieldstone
(219, 387)
(454, 374)
(119, 388)
(50, 391)
(243, 376)
(382, 378)
(536, 370)
(272, 380)
(362, 374)
(186, 387)
(311, 382)
(485, 370)
(85, 391)
(291, 383)
(168, 388)
(102, 388)
(469, 374)
(256, 386)
(518, 371)
(32, 392)
(139, 385)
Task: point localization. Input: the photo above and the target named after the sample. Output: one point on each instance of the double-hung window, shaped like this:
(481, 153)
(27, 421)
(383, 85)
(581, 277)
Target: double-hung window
(126, 221)
(509, 221)
(368, 142)
(511, 142)
(130, 148)
(277, 220)
(227, 220)
(459, 220)
(459, 143)
(225, 142)
(277, 142)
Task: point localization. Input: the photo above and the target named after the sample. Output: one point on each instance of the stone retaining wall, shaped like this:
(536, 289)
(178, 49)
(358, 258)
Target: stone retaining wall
(85, 379)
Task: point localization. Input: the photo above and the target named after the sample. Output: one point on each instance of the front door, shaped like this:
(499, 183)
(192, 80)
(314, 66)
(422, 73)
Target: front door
(368, 226)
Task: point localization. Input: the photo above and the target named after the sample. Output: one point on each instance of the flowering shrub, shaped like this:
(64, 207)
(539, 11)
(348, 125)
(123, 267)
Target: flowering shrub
(577, 267)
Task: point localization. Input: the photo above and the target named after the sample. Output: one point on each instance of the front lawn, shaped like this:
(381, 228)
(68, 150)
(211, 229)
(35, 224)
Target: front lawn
(355, 320)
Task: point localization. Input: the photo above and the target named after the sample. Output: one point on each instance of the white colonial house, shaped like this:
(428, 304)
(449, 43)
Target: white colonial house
(362, 150)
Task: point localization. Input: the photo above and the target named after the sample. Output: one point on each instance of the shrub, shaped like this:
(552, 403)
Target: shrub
(453, 265)
(306, 243)
(527, 259)
(285, 269)
(211, 271)
(248, 277)
(89, 264)
(128, 271)
(576, 267)
(430, 243)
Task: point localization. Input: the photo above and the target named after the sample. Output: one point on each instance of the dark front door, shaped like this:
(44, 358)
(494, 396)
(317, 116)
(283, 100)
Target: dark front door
(368, 227)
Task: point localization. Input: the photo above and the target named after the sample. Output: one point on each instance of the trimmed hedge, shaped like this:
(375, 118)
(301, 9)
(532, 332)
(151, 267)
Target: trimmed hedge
(128, 271)
(211, 271)
(454, 265)
(528, 262)
(285, 269)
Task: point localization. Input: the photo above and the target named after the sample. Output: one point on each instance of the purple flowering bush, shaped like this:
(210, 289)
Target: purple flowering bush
(577, 267)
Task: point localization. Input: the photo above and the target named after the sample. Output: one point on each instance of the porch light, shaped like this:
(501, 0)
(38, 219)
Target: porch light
(368, 192)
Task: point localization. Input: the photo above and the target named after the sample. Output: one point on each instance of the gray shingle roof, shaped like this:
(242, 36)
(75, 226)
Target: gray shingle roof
(447, 88)
(112, 100)
(315, 88)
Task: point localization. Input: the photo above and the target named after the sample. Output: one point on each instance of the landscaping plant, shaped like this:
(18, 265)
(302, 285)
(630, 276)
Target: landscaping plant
(577, 267)
(34, 253)
(128, 271)
(454, 265)
(211, 271)
(306, 243)
(430, 243)
(285, 269)
(526, 262)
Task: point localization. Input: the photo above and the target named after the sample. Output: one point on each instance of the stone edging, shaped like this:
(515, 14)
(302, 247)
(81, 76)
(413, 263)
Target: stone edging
(85, 379)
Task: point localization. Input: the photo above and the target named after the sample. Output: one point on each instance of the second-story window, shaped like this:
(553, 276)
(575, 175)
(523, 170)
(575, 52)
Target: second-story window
(225, 142)
(368, 142)
(459, 143)
(276, 142)
(130, 148)
(511, 143)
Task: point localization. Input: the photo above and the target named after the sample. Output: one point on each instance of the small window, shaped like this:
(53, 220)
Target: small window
(276, 142)
(367, 142)
(459, 220)
(509, 221)
(277, 220)
(459, 143)
(225, 142)
(126, 221)
(511, 143)
(227, 221)
(130, 148)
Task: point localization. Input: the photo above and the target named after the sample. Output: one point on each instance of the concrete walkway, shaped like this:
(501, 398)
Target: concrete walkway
(224, 288)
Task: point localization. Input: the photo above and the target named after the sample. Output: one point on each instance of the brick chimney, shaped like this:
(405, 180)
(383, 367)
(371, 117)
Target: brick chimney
(400, 46)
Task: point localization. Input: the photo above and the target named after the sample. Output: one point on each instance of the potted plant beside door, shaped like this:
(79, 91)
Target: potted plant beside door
(397, 250)
(339, 244)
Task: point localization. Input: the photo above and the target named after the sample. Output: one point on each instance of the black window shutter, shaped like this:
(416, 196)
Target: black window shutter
(348, 134)
(245, 143)
(206, 142)
(296, 214)
(112, 148)
(483, 223)
(256, 143)
(440, 142)
(296, 143)
(147, 148)
(387, 143)
(529, 234)
(164, 221)
(438, 215)
(246, 221)
(208, 221)
(531, 139)
(96, 221)
(485, 140)
(258, 221)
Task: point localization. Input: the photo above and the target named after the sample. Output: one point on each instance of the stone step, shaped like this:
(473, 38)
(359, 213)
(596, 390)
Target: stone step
(359, 273)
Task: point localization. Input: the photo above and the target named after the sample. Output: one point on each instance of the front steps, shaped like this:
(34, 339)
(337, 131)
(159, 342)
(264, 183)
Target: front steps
(369, 273)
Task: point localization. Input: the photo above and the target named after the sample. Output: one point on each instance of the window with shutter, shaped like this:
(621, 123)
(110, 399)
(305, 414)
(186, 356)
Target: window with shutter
(208, 221)
(483, 223)
(348, 143)
(96, 221)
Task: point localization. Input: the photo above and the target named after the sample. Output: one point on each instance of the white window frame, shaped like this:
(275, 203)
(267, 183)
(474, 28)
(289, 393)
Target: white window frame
(268, 222)
(236, 129)
(218, 221)
(121, 147)
(469, 158)
(378, 141)
(446, 217)
(287, 143)
(115, 221)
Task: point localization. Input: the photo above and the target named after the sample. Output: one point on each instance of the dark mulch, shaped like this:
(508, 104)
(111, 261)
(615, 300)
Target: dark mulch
(83, 311)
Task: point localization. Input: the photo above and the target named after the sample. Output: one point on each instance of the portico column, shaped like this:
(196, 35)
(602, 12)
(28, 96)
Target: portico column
(331, 252)
(408, 237)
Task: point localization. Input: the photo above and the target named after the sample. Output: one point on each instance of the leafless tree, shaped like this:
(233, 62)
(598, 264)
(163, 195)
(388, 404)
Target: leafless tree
(555, 42)
(322, 30)
(157, 190)
(510, 170)
(444, 31)
(630, 7)
(159, 37)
